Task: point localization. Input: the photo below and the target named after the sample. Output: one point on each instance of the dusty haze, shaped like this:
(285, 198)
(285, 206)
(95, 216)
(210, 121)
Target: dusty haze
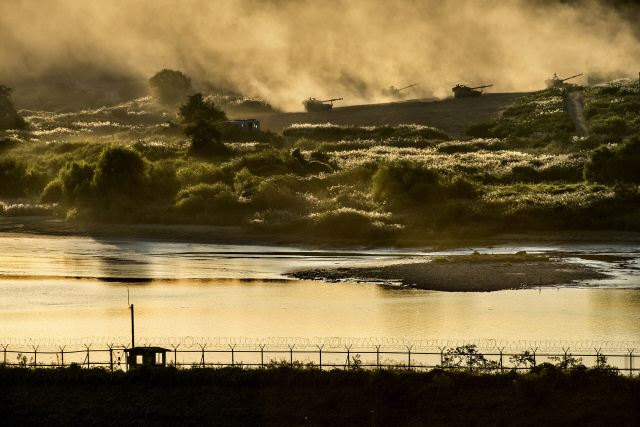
(286, 51)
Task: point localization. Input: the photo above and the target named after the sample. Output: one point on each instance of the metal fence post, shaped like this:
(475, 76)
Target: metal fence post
(35, 356)
(534, 355)
(320, 351)
(233, 360)
(501, 365)
(4, 347)
(349, 356)
(631, 361)
(262, 346)
(202, 359)
(409, 349)
(62, 355)
(291, 354)
(378, 356)
(175, 354)
(111, 358)
(442, 356)
(88, 353)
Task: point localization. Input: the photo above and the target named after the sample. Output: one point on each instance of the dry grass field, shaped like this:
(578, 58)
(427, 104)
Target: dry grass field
(449, 115)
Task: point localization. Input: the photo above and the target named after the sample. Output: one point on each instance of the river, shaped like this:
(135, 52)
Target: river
(75, 287)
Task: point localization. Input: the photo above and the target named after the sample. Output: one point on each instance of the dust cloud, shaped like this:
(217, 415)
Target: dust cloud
(287, 51)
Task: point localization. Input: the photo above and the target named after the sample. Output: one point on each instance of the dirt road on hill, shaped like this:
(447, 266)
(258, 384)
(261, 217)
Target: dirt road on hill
(574, 106)
(449, 115)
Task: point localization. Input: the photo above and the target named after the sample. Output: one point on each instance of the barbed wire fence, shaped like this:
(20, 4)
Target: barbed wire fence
(320, 352)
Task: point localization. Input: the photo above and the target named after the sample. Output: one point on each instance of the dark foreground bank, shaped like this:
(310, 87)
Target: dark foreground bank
(285, 396)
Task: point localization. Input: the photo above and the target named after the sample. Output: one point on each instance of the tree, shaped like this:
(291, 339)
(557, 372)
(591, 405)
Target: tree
(202, 121)
(121, 171)
(169, 86)
(9, 117)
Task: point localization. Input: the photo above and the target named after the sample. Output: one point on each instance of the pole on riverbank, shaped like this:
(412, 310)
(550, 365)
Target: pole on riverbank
(133, 342)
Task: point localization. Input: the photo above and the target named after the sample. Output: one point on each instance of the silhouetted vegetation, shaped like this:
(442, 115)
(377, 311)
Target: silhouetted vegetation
(202, 122)
(170, 87)
(281, 395)
(9, 117)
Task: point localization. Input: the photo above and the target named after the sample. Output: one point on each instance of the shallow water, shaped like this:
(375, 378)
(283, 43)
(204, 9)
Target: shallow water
(61, 288)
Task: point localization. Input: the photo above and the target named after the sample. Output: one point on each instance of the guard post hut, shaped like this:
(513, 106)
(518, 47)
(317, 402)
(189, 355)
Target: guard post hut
(146, 356)
(248, 124)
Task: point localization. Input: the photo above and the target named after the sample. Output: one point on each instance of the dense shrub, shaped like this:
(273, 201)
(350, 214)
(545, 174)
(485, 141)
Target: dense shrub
(351, 223)
(266, 163)
(615, 164)
(245, 183)
(121, 170)
(200, 172)
(328, 132)
(74, 181)
(207, 199)
(12, 178)
(18, 181)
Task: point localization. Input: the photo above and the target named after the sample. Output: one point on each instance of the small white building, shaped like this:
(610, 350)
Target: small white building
(248, 124)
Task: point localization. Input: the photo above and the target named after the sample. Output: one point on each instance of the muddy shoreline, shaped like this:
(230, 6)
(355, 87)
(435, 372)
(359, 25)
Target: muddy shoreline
(459, 276)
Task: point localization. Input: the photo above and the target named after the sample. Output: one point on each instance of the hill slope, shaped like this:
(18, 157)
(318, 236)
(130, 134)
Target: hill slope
(449, 115)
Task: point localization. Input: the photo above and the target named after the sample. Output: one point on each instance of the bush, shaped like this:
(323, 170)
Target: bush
(207, 200)
(351, 223)
(245, 183)
(12, 178)
(75, 179)
(397, 179)
(609, 165)
(329, 132)
(169, 86)
(200, 172)
(121, 171)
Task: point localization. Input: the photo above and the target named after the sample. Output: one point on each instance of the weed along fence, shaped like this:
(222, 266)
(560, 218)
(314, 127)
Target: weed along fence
(324, 353)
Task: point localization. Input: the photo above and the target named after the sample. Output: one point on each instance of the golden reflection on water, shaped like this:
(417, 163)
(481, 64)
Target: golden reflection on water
(66, 308)
(73, 288)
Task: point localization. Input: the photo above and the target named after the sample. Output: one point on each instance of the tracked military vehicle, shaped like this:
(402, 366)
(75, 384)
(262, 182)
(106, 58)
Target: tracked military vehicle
(555, 81)
(462, 91)
(394, 92)
(313, 104)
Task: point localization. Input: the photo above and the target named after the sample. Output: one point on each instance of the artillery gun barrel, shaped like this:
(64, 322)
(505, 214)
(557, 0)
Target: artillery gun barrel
(406, 87)
(480, 87)
(571, 77)
(329, 100)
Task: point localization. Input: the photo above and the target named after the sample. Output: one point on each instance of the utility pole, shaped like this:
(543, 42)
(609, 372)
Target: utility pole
(133, 342)
(132, 336)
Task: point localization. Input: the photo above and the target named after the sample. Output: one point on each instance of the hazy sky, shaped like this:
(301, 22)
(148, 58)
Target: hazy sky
(286, 51)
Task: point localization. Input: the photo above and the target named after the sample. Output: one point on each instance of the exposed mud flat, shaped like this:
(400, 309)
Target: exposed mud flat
(459, 276)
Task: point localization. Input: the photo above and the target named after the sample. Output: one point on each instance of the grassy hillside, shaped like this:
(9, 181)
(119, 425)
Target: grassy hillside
(524, 171)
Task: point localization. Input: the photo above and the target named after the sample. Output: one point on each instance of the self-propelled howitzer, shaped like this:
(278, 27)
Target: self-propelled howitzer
(394, 92)
(313, 104)
(462, 91)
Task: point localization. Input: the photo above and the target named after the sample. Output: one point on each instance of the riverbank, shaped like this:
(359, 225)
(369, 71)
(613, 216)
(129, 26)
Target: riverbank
(286, 396)
(463, 276)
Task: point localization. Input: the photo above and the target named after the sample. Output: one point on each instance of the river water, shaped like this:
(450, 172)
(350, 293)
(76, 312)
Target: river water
(69, 288)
